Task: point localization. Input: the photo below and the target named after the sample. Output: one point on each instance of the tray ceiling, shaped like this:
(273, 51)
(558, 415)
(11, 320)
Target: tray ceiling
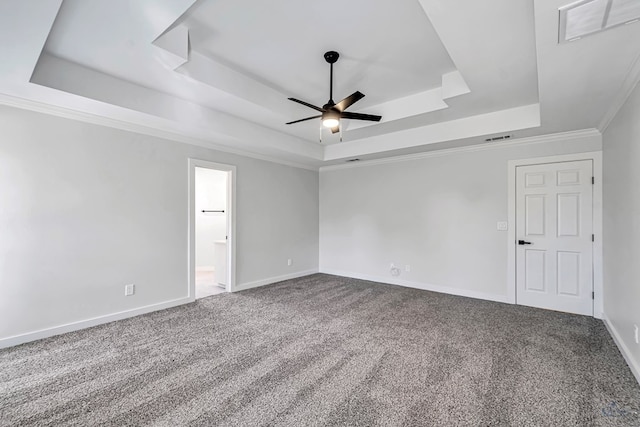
(218, 72)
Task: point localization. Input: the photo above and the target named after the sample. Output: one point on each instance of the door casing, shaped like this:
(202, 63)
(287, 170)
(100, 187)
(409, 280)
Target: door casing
(231, 224)
(596, 157)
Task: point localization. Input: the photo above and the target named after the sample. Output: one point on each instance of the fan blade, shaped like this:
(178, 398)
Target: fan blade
(357, 116)
(349, 100)
(306, 104)
(335, 129)
(304, 120)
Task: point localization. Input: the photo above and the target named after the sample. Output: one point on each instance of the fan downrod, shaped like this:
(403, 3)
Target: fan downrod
(331, 57)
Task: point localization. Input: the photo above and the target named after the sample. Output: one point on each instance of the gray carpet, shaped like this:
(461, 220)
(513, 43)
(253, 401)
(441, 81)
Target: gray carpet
(325, 350)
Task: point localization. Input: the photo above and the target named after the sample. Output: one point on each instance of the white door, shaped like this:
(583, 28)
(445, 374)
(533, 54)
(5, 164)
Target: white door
(554, 226)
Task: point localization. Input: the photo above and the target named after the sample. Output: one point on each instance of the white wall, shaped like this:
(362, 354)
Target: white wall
(211, 194)
(86, 209)
(437, 214)
(621, 168)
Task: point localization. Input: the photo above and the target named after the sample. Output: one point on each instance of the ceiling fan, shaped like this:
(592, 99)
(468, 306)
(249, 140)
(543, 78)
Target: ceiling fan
(332, 112)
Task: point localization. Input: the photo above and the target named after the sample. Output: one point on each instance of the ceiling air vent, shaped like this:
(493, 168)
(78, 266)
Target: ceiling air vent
(498, 138)
(591, 16)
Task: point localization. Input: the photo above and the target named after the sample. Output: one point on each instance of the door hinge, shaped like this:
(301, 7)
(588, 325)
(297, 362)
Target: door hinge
(593, 180)
(593, 295)
(593, 237)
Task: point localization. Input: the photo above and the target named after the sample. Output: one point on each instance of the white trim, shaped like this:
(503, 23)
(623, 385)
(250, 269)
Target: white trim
(419, 285)
(631, 80)
(270, 280)
(626, 353)
(94, 321)
(554, 137)
(598, 231)
(17, 102)
(85, 117)
(596, 157)
(231, 223)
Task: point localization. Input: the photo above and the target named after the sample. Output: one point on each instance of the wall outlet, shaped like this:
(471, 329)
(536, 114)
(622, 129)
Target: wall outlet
(502, 226)
(407, 268)
(289, 262)
(635, 327)
(395, 271)
(129, 290)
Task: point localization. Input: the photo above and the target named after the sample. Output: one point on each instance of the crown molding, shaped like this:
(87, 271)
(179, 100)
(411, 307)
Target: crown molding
(63, 112)
(554, 137)
(67, 113)
(630, 82)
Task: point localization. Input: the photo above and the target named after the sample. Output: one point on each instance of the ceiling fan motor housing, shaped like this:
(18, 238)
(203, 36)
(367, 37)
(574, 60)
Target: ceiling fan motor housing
(331, 57)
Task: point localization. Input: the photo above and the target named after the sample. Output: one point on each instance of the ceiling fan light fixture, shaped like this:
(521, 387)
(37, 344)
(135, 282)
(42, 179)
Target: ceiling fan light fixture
(330, 119)
(330, 123)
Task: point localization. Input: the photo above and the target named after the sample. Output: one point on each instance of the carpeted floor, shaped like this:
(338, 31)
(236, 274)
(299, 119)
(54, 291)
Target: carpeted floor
(325, 350)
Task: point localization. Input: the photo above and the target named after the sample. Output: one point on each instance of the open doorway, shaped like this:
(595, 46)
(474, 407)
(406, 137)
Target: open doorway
(211, 231)
(210, 228)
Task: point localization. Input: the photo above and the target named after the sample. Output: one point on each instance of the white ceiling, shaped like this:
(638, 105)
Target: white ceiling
(281, 43)
(218, 72)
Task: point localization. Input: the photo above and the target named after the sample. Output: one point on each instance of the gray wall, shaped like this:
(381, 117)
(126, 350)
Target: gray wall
(86, 209)
(437, 214)
(621, 166)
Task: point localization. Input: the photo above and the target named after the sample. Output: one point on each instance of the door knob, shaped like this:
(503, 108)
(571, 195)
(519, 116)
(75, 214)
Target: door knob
(522, 242)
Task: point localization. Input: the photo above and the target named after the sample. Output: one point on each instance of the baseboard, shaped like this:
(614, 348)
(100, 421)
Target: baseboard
(70, 327)
(420, 285)
(633, 365)
(95, 321)
(270, 280)
(83, 324)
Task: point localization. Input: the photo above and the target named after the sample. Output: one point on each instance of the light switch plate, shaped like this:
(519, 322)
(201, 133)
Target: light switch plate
(503, 226)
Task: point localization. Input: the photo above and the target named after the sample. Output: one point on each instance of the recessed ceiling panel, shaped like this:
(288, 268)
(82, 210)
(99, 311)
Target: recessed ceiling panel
(388, 49)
